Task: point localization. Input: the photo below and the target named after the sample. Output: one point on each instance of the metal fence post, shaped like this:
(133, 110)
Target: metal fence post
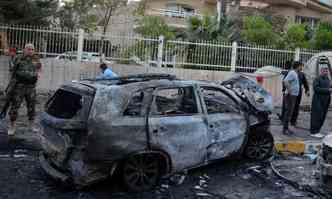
(80, 44)
(297, 54)
(234, 56)
(160, 50)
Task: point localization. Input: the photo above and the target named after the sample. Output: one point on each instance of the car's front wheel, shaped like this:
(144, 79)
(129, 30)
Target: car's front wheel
(141, 172)
(260, 146)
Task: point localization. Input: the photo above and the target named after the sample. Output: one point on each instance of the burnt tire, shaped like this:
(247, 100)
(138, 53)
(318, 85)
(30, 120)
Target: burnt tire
(141, 172)
(260, 146)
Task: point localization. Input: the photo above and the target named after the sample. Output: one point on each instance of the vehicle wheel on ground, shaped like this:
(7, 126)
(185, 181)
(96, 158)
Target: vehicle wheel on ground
(141, 172)
(260, 146)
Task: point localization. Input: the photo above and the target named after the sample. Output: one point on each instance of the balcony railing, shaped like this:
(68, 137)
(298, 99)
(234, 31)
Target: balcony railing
(173, 13)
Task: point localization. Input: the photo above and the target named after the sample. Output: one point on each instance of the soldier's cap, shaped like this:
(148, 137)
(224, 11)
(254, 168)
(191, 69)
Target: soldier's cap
(29, 45)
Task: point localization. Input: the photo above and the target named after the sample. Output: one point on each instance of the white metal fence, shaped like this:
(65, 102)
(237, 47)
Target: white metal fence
(200, 55)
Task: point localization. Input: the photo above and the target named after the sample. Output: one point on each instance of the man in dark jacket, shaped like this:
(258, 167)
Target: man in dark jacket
(320, 102)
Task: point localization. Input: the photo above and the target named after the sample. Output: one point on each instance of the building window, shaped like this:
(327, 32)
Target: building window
(310, 21)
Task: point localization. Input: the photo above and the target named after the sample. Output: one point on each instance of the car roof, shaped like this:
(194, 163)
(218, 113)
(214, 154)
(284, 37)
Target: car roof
(144, 81)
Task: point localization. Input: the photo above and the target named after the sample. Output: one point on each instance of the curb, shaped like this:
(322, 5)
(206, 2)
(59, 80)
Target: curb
(298, 147)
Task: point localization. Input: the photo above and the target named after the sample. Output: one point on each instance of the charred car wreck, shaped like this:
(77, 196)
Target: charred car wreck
(149, 126)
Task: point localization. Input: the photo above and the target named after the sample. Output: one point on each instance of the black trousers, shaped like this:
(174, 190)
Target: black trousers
(296, 110)
(289, 102)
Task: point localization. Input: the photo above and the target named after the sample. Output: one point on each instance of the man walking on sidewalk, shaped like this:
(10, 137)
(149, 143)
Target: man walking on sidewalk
(320, 102)
(292, 86)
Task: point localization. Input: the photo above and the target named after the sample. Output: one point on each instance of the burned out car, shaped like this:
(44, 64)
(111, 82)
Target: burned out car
(325, 164)
(145, 127)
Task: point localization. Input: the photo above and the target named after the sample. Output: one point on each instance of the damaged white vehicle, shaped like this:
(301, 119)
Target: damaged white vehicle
(149, 126)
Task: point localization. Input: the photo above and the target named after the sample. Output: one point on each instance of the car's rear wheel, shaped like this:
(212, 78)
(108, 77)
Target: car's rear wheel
(260, 146)
(141, 172)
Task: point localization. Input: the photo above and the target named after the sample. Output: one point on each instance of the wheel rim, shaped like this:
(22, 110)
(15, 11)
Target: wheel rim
(141, 172)
(259, 147)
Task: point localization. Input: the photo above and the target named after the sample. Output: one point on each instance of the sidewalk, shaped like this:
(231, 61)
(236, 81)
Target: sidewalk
(301, 142)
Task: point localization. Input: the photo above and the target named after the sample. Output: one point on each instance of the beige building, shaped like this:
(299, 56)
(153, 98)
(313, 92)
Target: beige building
(175, 12)
(299, 11)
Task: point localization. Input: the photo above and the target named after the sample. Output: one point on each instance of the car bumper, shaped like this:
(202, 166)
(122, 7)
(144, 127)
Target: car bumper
(50, 170)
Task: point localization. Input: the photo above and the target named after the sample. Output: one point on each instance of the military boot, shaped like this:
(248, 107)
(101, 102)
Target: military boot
(12, 129)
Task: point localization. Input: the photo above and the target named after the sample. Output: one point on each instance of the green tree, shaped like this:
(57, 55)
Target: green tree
(154, 26)
(295, 37)
(88, 14)
(257, 30)
(140, 10)
(323, 36)
(209, 28)
(28, 12)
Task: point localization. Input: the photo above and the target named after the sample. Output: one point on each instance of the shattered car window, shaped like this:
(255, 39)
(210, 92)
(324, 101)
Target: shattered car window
(64, 104)
(175, 101)
(135, 105)
(217, 102)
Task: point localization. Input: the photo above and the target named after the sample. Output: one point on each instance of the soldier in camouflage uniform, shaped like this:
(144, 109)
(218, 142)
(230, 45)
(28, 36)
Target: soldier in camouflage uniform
(22, 86)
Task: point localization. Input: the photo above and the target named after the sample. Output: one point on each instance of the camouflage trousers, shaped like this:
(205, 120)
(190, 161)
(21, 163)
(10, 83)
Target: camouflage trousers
(19, 93)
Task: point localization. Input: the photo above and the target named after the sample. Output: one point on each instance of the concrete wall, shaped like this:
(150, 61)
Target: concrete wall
(56, 73)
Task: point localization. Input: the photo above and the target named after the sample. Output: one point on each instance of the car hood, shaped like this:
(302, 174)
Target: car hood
(251, 92)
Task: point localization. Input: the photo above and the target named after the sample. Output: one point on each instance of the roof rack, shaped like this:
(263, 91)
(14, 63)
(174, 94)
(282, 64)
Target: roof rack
(133, 78)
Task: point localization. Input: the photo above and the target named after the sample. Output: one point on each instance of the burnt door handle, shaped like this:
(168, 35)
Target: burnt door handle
(155, 131)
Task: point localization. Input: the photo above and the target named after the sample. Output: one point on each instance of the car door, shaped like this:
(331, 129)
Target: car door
(227, 125)
(176, 126)
(119, 129)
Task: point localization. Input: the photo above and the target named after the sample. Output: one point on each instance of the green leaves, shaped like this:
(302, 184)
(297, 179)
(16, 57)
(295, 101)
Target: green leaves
(37, 12)
(296, 36)
(256, 30)
(323, 36)
(154, 26)
(88, 14)
(208, 28)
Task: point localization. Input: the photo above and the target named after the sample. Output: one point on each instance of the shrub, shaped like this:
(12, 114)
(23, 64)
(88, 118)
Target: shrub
(323, 36)
(154, 26)
(294, 37)
(257, 30)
